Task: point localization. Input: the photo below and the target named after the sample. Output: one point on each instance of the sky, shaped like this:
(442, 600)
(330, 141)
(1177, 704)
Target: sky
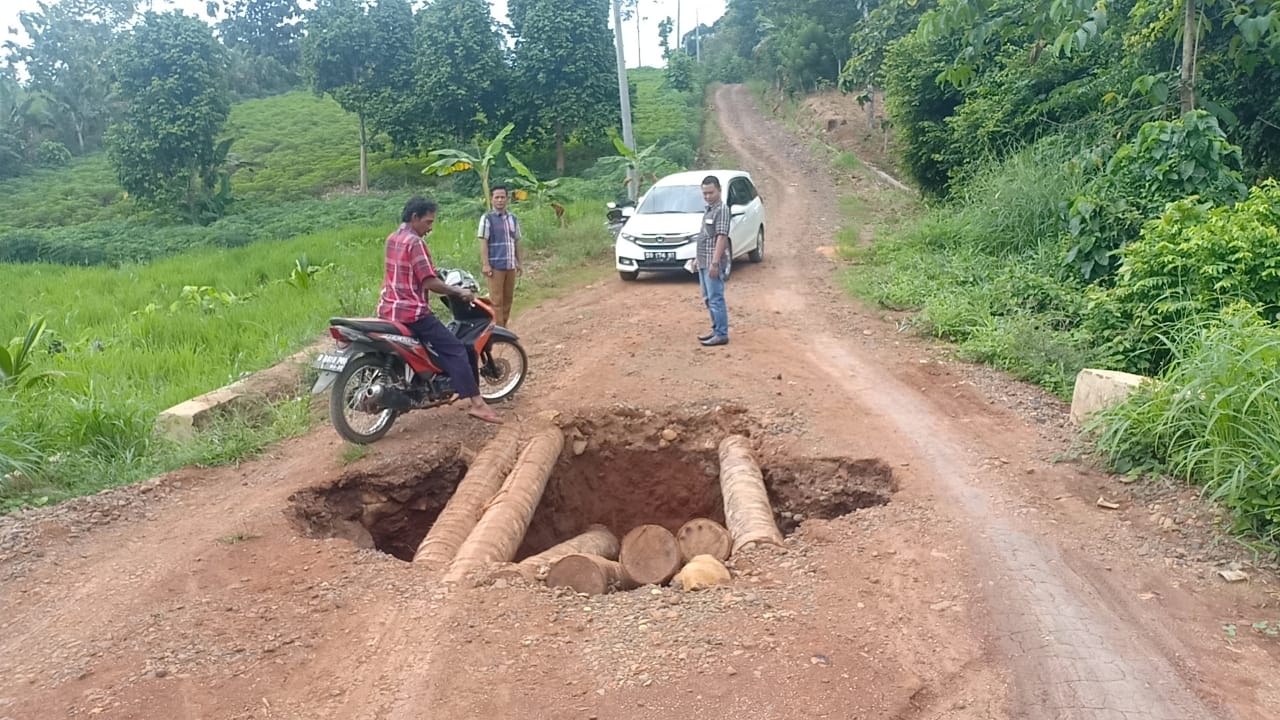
(651, 12)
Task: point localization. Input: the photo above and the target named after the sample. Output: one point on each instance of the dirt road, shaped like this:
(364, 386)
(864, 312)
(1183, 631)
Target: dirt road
(989, 586)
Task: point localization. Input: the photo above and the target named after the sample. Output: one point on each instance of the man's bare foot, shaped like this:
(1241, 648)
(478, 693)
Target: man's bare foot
(485, 414)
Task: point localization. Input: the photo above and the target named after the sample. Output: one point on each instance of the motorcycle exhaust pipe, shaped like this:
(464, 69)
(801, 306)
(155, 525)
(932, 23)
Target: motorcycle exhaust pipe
(381, 397)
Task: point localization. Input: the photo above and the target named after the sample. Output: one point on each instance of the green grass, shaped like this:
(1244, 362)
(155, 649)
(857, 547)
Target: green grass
(131, 343)
(984, 271)
(144, 312)
(1212, 419)
(299, 145)
(662, 114)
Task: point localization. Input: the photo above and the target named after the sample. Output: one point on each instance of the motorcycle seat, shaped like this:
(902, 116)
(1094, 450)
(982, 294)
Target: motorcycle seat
(376, 325)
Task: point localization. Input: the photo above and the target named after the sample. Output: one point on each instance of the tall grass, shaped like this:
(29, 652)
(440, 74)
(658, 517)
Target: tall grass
(984, 271)
(1213, 419)
(132, 340)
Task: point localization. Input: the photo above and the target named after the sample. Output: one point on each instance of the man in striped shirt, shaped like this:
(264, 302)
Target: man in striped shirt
(500, 252)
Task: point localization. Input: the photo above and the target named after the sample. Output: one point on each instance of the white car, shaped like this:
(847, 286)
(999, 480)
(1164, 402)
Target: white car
(661, 233)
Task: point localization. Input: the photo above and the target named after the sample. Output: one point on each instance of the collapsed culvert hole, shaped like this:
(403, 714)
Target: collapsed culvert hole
(619, 471)
(621, 484)
(389, 511)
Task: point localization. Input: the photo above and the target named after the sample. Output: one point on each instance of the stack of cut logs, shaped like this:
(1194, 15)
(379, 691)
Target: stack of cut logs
(483, 524)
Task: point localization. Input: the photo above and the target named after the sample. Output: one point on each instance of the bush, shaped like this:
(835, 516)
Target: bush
(1193, 261)
(1167, 161)
(52, 154)
(1211, 419)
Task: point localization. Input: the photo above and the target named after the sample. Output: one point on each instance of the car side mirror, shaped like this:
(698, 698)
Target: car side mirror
(738, 210)
(628, 211)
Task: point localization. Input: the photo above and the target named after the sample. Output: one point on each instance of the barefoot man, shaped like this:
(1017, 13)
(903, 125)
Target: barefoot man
(410, 277)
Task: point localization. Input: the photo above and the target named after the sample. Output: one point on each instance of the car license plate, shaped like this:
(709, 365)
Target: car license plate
(331, 363)
(661, 256)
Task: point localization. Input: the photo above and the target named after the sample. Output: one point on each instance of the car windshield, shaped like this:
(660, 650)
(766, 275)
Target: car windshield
(672, 199)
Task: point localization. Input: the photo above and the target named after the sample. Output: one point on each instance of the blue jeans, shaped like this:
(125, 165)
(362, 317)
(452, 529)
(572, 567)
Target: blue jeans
(713, 295)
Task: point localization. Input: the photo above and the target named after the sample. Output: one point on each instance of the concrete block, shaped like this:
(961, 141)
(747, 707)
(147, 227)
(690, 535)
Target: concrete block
(181, 421)
(1098, 389)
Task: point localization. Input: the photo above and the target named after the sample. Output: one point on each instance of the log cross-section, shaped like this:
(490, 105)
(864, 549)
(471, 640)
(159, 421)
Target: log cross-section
(650, 555)
(590, 574)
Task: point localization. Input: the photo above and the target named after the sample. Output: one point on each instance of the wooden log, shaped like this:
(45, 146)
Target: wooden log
(595, 540)
(650, 555)
(590, 574)
(747, 512)
(484, 476)
(701, 536)
(501, 529)
(701, 572)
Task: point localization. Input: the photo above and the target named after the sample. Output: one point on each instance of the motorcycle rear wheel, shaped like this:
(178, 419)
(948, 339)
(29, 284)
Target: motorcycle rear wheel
(355, 378)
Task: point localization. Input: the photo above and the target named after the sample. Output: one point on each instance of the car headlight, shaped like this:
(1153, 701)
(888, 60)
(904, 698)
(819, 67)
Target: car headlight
(628, 238)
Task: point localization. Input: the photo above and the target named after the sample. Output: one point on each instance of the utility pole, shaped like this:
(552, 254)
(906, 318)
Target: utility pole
(679, 37)
(628, 137)
(697, 35)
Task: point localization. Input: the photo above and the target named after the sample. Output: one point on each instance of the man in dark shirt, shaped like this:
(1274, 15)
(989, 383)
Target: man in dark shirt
(410, 276)
(713, 255)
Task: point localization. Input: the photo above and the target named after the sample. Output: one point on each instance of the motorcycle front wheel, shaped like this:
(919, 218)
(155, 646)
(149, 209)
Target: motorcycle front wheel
(355, 424)
(503, 366)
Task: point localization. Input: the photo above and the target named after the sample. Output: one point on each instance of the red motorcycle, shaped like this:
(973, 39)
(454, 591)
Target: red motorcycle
(381, 370)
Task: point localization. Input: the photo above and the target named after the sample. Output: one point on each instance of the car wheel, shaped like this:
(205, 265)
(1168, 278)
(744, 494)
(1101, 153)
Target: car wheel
(757, 255)
(631, 276)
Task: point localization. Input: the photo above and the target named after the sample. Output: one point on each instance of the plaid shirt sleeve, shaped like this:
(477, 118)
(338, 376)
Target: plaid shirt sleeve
(483, 231)
(515, 229)
(420, 260)
(722, 220)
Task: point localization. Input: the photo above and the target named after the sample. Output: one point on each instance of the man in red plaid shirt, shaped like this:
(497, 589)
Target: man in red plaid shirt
(410, 277)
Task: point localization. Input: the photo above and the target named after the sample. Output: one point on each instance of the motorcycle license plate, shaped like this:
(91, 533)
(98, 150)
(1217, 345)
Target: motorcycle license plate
(660, 256)
(330, 363)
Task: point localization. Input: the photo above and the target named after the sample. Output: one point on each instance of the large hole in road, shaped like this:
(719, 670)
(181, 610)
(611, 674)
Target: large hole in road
(620, 469)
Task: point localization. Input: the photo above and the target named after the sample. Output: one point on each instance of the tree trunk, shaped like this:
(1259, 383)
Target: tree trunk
(79, 123)
(747, 512)
(871, 108)
(650, 555)
(624, 97)
(559, 149)
(500, 530)
(1189, 57)
(596, 540)
(364, 157)
(460, 514)
(590, 574)
(701, 536)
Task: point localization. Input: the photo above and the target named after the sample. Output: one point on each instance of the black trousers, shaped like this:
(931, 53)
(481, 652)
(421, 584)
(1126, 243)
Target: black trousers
(456, 359)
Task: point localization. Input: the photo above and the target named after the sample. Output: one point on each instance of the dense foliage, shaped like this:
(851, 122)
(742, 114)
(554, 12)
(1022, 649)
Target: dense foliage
(171, 75)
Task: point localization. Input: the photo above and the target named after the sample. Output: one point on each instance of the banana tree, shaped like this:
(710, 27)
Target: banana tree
(645, 164)
(15, 360)
(527, 184)
(451, 160)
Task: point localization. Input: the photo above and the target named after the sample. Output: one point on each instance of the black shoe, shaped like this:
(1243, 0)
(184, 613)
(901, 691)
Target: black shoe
(704, 338)
(715, 341)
